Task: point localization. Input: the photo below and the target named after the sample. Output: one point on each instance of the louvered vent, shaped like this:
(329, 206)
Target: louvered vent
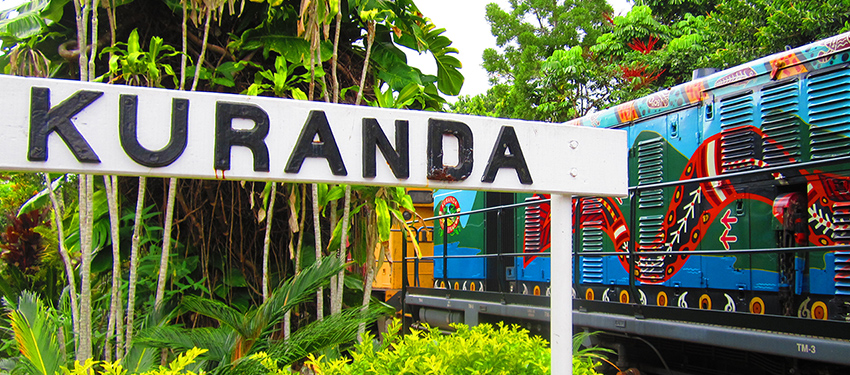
(829, 114)
(591, 217)
(738, 142)
(841, 235)
(650, 238)
(780, 123)
(651, 170)
(841, 222)
(533, 227)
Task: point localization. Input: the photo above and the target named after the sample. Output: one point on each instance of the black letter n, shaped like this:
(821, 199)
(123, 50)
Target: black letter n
(374, 137)
(45, 120)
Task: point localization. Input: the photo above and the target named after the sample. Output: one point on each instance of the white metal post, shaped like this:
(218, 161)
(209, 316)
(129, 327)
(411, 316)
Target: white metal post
(561, 300)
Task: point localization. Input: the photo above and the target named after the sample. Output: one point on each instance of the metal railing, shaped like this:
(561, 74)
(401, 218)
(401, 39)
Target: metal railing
(631, 254)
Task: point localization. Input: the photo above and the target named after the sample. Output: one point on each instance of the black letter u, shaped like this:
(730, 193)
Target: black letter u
(128, 132)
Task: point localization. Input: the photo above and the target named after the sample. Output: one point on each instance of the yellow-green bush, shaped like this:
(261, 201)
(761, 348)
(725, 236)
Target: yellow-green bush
(483, 349)
(176, 367)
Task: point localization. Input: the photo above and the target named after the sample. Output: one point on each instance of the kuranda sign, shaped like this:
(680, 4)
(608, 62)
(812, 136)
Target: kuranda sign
(71, 126)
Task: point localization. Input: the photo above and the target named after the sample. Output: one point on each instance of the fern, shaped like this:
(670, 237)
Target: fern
(35, 334)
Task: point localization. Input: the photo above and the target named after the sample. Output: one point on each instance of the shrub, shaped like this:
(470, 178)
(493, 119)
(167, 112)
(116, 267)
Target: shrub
(483, 349)
(176, 367)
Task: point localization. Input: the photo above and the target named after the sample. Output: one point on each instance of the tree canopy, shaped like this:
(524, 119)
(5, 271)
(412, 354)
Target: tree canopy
(589, 60)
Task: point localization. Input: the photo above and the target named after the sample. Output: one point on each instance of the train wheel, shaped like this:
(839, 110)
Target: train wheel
(661, 299)
(757, 305)
(704, 302)
(457, 286)
(472, 286)
(819, 311)
(442, 285)
(624, 296)
(536, 291)
(589, 295)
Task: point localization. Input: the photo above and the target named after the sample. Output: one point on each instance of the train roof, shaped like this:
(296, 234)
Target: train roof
(818, 55)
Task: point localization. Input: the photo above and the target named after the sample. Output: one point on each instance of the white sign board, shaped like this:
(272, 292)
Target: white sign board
(71, 126)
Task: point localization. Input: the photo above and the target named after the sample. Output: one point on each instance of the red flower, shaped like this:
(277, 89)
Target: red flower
(644, 48)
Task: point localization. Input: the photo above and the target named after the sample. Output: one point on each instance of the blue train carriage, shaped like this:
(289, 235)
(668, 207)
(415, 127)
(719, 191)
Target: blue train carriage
(728, 172)
(481, 246)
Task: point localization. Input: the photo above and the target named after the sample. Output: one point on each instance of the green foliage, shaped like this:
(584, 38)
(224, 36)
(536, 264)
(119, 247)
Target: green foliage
(178, 366)
(584, 366)
(33, 18)
(16, 188)
(529, 33)
(482, 349)
(137, 67)
(243, 333)
(403, 21)
(282, 80)
(36, 333)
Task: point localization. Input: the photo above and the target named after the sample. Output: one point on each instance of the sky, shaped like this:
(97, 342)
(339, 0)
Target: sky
(470, 34)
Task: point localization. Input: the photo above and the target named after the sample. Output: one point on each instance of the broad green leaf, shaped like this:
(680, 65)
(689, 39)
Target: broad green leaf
(292, 48)
(298, 94)
(383, 215)
(32, 17)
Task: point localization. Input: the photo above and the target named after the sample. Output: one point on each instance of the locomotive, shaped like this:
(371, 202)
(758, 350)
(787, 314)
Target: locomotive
(731, 253)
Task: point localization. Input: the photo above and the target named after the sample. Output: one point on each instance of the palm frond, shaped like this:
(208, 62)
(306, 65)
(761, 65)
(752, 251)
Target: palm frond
(36, 334)
(139, 359)
(590, 351)
(296, 290)
(334, 330)
(217, 310)
(218, 341)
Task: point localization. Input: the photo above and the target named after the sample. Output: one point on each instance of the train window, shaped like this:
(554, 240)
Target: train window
(421, 196)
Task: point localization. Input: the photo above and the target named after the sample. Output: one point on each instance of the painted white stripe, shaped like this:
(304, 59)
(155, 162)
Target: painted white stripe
(712, 170)
(619, 230)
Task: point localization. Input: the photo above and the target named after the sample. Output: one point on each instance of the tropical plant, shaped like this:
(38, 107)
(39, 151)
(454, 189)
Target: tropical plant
(586, 357)
(243, 333)
(37, 333)
(137, 67)
(180, 365)
(29, 19)
(483, 349)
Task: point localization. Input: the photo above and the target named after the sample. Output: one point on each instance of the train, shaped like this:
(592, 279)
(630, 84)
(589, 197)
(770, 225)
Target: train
(731, 253)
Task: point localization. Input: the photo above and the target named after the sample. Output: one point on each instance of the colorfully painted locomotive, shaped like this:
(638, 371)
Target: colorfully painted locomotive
(739, 202)
(776, 127)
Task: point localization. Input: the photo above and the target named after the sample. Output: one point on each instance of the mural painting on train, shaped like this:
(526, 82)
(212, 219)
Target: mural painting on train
(780, 110)
(472, 235)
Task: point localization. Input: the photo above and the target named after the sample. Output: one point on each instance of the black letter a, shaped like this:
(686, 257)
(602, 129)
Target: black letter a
(317, 124)
(498, 159)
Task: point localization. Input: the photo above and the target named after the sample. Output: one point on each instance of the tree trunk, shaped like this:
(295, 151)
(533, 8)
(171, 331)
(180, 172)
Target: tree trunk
(317, 233)
(336, 306)
(114, 327)
(296, 253)
(203, 49)
(166, 243)
(134, 263)
(267, 241)
(66, 259)
(367, 286)
(84, 351)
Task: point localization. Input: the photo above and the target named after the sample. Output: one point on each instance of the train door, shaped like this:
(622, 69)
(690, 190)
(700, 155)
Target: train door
(684, 210)
(532, 272)
(648, 154)
(499, 240)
